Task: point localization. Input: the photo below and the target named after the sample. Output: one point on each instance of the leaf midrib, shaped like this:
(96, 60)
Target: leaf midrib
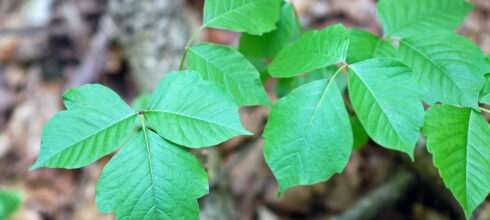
(339, 60)
(230, 11)
(409, 23)
(256, 73)
(192, 117)
(378, 104)
(308, 126)
(319, 54)
(150, 164)
(466, 160)
(88, 136)
(435, 64)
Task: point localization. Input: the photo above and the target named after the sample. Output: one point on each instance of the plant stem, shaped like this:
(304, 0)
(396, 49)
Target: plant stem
(485, 110)
(181, 67)
(391, 39)
(337, 73)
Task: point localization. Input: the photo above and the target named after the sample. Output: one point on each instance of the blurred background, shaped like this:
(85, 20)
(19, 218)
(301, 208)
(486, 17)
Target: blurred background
(48, 46)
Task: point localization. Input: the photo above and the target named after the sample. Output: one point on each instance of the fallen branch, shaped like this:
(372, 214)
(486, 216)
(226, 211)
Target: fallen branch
(371, 204)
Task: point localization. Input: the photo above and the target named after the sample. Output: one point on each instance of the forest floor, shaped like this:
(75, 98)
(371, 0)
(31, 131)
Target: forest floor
(44, 47)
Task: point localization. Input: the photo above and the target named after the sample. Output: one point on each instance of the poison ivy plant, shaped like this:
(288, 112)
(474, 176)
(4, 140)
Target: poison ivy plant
(307, 140)
(269, 44)
(286, 85)
(141, 102)
(448, 66)
(312, 51)
(10, 201)
(485, 93)
(230, 69)
(145, 179)
(459, 139)
(251, 16)
(309, 134)
(152, 178)
(176, 111)
(405, 18)
(94, 125)
(361, 138)
(364, 45)
(386, 98)
(261, 65)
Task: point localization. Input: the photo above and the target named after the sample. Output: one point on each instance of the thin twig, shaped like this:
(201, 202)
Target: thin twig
(485, 110)
(371, 204)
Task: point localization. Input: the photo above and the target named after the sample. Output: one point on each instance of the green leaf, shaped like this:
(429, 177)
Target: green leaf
(386, 98)
(252, 16)
(364, 45)
(314, 50)
(361, 138)
(485, 93)
(459, 140)
(151, 178)
(307, 140)
(405, 18)
(141, 102)
(95, 124)
(286, 85)
(261, 65)
(449, 67)
(269, 44)
(193, 112)
(231, 70)
(10, 201)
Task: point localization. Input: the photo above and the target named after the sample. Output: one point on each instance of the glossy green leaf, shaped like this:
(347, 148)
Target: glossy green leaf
(95, 124)
(10, 201)
(364, 45)
(269, 44)
(193, 112)
(314, 50)
(386, 98)
(152, 178)
(485, 93)
(261, 65)
(459, 139)
(307, 140)
(231, 70)
(405, 18)
(141, 102)
(449, 67)
(361, 138)
(286, 85)
(251, 16)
